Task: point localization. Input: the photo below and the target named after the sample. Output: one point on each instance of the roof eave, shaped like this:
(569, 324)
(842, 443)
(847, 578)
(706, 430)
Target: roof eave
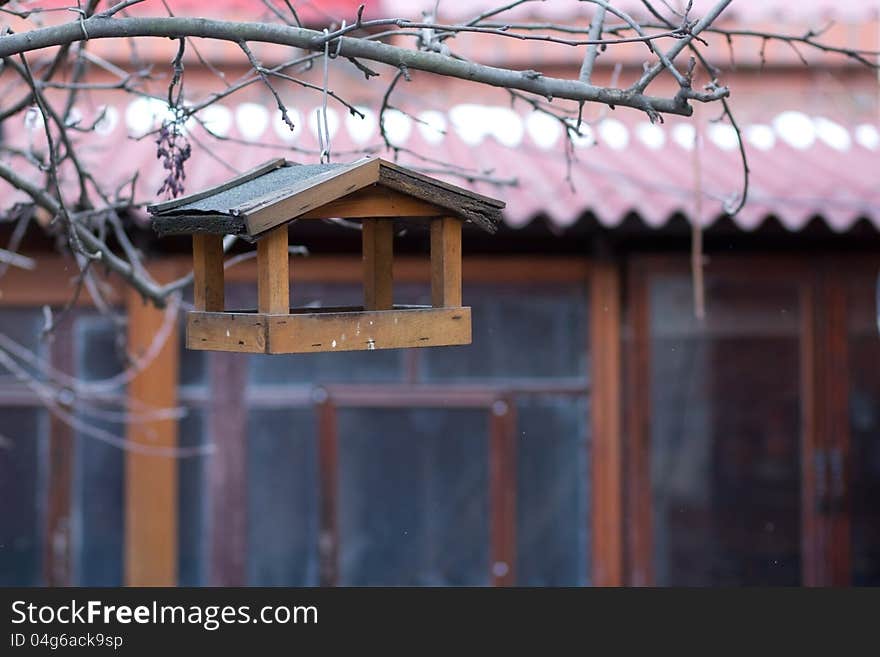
(255, 217)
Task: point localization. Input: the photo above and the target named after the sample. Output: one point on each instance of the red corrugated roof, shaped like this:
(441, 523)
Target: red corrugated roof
(566, 10)
(802, 166)
(749, 10)
(309, 11)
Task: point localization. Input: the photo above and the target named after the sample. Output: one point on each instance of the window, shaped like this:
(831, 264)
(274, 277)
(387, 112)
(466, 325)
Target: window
(413, 498)
(725, 433)
(24, 429)
(98, 496)
(23, 434)
(864, 418)
(413, 429)
(61, 491)
(282, 519)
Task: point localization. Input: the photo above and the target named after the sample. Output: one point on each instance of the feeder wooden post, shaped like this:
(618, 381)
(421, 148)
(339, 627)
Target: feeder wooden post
(208, 272)
(446, 262)
(273, 272)
(378, 255)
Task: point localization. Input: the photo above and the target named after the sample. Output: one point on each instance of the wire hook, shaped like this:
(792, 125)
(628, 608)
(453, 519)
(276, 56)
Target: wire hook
(323, 126)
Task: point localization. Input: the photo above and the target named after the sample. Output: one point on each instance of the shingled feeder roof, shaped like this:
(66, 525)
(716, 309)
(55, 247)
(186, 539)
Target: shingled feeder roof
(279, 191)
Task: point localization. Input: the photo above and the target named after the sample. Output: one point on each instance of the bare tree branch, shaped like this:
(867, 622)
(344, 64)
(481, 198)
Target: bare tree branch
(596, 26)
(530, 81)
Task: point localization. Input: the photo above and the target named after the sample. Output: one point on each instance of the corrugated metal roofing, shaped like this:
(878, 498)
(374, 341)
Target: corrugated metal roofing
(328, 10)
(802, 166)
(566, 10)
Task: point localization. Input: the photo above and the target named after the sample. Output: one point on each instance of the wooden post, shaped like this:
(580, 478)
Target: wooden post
(328, 469)
(378, 256)
(446, 262)
(273, 272)
(208, 272)
(151, 480)
(606, 458)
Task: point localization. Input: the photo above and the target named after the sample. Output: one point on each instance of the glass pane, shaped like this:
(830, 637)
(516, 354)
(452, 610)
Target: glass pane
(413, 497)
(99, 467)
(193, 364)
(24, 326)
(192, 496)
(282, 498)
(864, 413)
(725, 433)
(518, 333)
(23, 435)
(344, 367)
(552, 492)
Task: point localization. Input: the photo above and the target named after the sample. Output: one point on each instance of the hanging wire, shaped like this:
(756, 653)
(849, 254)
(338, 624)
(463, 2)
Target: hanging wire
(323, 125)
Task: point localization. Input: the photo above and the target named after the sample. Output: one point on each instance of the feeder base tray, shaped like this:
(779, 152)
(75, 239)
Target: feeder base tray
(310, 330)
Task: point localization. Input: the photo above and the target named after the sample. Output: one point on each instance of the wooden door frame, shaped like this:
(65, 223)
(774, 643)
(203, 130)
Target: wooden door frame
(828, 476)
(825, 535)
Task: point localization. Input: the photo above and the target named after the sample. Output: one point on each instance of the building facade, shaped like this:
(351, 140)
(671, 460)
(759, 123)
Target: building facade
(597, 431)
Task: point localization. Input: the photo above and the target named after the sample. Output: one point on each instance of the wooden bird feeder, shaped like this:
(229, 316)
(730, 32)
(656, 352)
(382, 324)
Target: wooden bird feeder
(259, 206)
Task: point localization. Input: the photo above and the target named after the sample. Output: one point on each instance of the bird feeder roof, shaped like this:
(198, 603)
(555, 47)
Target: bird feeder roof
(279, 191)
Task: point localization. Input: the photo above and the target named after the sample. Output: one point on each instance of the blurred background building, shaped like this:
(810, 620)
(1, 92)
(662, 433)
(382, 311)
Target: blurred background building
(595, 432)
